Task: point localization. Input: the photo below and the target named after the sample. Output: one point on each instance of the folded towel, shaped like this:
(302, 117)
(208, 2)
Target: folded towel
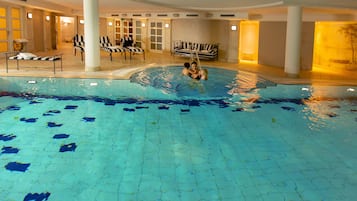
(25, 55)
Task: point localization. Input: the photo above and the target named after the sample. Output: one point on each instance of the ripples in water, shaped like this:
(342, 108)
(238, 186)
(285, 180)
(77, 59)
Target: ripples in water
(220, 83)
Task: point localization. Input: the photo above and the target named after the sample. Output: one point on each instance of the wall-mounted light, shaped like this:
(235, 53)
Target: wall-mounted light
(48, 18)
(234, 27)
(29, 15)
(167, 25)
(66, 20)
(110, 23)
(81, 21)
(143, 24)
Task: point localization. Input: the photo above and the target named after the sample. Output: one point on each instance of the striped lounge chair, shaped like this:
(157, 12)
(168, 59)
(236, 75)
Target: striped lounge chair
(129, 45)
(135, 50)
(78, 44)
(208, 51)
(107, 46)
(18, 56)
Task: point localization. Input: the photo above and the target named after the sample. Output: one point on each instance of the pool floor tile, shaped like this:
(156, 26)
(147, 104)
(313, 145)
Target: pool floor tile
(209, 153)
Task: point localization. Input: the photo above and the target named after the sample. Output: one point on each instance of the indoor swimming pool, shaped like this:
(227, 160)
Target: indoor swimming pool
(161, 136)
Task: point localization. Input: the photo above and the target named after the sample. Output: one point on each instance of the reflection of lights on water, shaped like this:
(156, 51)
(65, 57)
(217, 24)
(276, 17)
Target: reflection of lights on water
(93, 84)
(350, 89)
(31, 82)
(305, 89)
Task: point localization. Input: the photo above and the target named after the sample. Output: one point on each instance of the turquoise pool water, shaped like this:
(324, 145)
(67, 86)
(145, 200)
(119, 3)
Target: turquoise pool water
(163, 137)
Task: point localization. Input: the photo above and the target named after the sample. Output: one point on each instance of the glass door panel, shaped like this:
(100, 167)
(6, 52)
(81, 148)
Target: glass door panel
(3, 31)
(16, 28)
(156, 36)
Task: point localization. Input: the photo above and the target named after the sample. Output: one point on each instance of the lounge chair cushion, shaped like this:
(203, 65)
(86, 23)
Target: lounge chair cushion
(135, 49)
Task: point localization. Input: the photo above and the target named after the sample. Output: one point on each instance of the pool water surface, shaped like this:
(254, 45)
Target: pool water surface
(163, 137)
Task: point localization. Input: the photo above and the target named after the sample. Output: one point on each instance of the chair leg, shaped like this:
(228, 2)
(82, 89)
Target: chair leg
(61, 63)
(7, 64)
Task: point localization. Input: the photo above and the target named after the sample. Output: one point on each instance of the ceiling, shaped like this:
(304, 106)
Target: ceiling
(200, 5)
(110, 7)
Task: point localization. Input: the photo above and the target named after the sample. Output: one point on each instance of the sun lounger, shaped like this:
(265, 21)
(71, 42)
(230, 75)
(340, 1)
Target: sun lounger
(135, 50)
(129, 44)
(20, 56)
(78, 45)
(107, 46)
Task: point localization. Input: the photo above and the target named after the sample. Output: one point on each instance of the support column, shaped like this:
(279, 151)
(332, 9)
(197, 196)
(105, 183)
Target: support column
(293, 41)
(91, 35)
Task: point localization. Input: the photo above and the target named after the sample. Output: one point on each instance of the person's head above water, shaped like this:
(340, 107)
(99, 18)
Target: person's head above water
(194, 64)
(186, 65)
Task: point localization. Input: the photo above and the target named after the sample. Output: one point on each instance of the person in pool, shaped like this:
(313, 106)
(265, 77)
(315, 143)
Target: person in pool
(186, 69)
(194, 72)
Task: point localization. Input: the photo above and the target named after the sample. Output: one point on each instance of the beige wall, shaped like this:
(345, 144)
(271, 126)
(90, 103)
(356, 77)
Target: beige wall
(103, 27)
(272, 39)
(307, 45)
(79, 28)
(110, 30)
(167, 34)
(39, 32)
(47, 33)
(194, 30)
(67, 30)
(220, 33)
(203, 31)
(29, 35)
(233, 42)
(53, 32)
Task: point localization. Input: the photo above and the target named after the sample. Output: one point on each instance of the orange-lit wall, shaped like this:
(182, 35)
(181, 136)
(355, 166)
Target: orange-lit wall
(248, 41)
(332, 48)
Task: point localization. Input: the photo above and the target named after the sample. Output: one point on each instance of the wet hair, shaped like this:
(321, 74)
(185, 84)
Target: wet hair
(186, 65)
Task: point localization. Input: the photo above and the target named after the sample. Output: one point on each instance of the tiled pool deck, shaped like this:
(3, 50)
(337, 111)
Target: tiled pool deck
(122, 69)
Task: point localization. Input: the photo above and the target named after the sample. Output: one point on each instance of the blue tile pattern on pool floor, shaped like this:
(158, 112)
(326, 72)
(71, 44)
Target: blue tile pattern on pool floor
(95, 148)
